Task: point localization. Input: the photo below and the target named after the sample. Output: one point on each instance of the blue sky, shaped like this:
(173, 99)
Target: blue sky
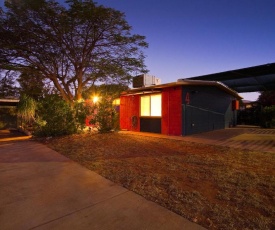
(196, 37)
(190, 38)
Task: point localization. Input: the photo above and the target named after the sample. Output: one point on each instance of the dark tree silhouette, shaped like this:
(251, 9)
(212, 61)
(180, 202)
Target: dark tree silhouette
(74, 46)
(8, 86)
(267, 98)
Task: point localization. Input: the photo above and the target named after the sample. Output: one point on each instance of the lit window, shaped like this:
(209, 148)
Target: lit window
(145, 106)
(150, 105)
(116, 102)
(156, 105)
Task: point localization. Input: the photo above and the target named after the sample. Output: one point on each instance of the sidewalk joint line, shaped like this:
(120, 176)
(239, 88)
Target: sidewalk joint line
(71, 213)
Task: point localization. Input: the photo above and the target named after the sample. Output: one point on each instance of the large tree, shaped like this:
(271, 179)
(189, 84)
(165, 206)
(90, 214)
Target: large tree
(8, 84)
(74, 46)
(33, 85)
(267, 98)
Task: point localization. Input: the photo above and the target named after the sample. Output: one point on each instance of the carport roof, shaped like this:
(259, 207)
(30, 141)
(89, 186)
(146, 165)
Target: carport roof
(252, 79)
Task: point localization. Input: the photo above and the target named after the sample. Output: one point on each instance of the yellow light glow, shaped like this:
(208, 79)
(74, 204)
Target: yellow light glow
(156, 105)
(145, 106)
(80, 100)
(150, 105)
(95, 99)
(116, 102)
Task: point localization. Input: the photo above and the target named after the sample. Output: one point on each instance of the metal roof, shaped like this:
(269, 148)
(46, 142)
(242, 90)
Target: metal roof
(8, 102)
(158, 88)
(251, 79)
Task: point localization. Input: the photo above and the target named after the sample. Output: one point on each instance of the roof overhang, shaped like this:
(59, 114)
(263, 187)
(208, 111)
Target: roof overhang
(187, 82)
(8, 102)
(252, 79)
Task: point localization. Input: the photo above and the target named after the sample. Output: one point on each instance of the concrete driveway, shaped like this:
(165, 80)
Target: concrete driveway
(249, 138)
(41, 189)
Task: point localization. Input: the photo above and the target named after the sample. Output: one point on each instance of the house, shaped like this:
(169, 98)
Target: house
(8, 113)
(180, 108)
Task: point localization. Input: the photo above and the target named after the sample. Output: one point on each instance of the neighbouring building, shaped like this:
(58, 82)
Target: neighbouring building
(249, 113)
(180, 108)
(8, 113)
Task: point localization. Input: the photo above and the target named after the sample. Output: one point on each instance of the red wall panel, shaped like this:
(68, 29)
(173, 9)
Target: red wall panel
(129, 107)
(165, 112)
(171, 123)
(172, 111)
(235, 105)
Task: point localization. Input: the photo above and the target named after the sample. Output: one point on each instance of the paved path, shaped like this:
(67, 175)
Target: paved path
(41, 189)
(240, 138)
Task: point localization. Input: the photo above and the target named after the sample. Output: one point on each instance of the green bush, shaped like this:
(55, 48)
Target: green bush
(81, 111)
(105, 117)
(26, 107)
(2, 125)
(54, 117)
(268, 117)
(8, 118)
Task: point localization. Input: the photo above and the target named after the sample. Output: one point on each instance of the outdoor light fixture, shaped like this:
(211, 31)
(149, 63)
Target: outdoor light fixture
(95, 99)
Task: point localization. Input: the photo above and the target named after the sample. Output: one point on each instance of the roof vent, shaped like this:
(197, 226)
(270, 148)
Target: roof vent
(145, 80)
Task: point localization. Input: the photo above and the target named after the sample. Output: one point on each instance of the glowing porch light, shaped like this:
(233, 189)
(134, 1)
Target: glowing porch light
(95, 99)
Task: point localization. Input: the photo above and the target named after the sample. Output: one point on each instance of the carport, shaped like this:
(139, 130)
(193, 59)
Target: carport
(251, 79)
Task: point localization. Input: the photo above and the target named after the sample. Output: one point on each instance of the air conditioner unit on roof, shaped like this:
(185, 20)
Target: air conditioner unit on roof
(145, 80)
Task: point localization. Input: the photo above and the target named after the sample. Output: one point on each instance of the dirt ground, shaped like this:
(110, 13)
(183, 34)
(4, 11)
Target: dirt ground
(216, 187)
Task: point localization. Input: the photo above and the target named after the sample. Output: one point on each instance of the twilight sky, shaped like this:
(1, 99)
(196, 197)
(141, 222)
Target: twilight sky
(190, 38)
(196, 37)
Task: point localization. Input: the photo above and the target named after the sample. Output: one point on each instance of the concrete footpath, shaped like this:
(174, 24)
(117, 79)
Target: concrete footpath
(41, 189)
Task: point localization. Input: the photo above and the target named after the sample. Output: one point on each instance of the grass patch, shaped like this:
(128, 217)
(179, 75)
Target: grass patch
(216, 187)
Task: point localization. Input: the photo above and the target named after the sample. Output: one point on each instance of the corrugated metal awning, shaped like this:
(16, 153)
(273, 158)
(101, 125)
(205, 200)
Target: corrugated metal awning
(252, 79)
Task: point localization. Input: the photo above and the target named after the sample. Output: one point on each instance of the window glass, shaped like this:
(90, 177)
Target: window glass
(156, 105)
(150, 105)
(116, 101)
(145, 106)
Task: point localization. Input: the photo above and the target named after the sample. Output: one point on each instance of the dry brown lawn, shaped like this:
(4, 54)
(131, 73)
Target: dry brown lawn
(216, 187)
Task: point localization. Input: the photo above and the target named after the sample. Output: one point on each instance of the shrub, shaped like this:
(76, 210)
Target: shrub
(104, 117)
(268, 117)
(26, 110)
(55, 117)
(8, 118)
(81, 111)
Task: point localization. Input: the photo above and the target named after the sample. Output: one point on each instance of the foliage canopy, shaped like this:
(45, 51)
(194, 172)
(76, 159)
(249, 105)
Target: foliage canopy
(7, 84)
(73, 46)
(267, 98)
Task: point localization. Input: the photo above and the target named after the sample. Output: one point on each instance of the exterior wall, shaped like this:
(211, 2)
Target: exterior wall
(172, 111)
(171, 120)
(129, 108)
(186, 110)
(206, 108)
